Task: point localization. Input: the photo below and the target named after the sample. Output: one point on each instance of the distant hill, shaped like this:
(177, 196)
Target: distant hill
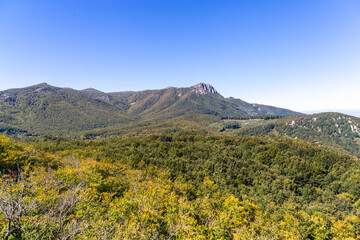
(44, 109)
(352, 112)
(335, 130)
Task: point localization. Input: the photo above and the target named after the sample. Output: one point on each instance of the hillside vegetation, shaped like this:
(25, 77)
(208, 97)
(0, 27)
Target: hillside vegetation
(46, 110)
(180, 186)
(335, 130)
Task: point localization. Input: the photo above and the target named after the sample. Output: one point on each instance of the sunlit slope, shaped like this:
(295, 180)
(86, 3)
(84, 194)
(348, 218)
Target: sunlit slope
(43, 109)
(336, 130)
(177, 186)
(280, 174)
(46, 110)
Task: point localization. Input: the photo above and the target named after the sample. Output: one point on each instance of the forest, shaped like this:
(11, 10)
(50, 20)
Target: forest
(187, 185)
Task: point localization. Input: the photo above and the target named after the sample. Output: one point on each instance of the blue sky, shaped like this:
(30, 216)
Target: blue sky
(303, 55)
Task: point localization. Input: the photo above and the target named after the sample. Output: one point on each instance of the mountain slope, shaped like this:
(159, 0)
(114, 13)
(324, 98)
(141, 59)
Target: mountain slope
(336, 130)
(259, 109)
(44, 109)
(201, 98)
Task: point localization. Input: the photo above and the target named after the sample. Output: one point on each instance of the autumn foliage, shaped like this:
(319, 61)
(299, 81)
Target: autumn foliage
(84, 192)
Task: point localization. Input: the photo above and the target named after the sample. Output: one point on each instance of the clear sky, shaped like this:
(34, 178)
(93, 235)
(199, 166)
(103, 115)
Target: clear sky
(298, 54)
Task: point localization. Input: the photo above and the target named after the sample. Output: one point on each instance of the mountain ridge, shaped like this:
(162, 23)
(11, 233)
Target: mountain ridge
(335, 130)
(45, 109)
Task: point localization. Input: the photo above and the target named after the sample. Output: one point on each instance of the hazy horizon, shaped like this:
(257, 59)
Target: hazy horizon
(299, 55)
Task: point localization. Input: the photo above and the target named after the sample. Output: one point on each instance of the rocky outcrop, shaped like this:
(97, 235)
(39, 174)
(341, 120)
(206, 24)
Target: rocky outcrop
(203, 88)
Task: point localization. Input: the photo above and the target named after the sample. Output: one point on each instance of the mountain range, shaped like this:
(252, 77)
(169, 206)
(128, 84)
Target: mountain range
(44, 109)
(87, 114)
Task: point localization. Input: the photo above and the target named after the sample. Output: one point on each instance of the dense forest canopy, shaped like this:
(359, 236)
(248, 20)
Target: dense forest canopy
(176, 186)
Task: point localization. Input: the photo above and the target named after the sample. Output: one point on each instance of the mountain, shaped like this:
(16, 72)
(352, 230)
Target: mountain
(44, 109)
(169, 102)
(335, 130)
(47, 110)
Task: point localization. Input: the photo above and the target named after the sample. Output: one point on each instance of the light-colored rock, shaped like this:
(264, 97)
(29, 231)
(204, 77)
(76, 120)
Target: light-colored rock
(203, 88)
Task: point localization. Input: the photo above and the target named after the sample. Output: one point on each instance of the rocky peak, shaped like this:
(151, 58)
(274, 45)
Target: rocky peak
(204, 88)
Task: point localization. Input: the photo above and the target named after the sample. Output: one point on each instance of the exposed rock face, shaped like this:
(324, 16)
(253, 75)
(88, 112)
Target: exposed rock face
(203, 88)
